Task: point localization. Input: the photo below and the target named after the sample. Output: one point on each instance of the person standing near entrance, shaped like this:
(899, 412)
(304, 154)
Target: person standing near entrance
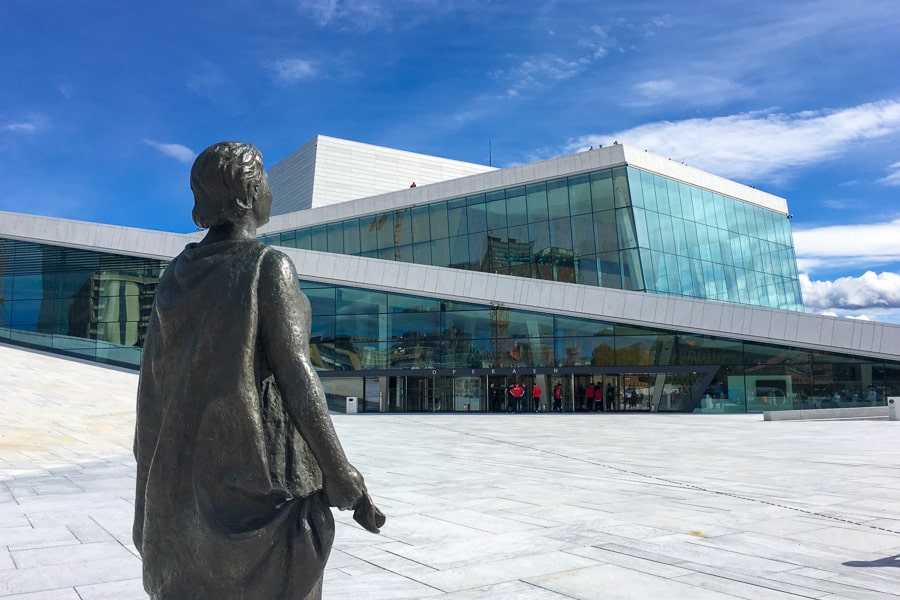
(557, 398)
(518, 397)
(589, 396)
(494, 397)
(598, 399)
(610, 397)
(536, 397)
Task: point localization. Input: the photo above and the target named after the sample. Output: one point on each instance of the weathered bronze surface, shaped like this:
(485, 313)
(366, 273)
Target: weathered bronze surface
(238, 462)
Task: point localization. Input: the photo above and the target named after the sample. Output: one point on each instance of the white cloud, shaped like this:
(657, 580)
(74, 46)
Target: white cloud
(756, 144)
(291, 70)
(869, 291)
(893, 177)
(368, 15)
(540, 70)
(323, 11)
(697, 90)
(177, 151)
(863, 245)
(22, 127)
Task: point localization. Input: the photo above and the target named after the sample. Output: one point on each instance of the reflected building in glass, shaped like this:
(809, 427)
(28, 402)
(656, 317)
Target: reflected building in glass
(624, 280)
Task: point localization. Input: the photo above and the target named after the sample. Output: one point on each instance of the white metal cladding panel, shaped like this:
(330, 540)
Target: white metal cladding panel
(347, 170)
(292, 179)
(94, 236)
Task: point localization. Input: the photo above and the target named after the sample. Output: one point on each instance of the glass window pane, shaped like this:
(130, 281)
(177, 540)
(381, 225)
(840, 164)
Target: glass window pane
(321, 300)
(582, 235)
(674, 195)
(438, 219)
(687, 206)
(477, 250)
(360, 302)
(561, 234)
(579, 194)
(368, 232)
(318, 239)
(662, 195)
(648, 190)
(335, 234)
(398, 303)
(605, 231)
(588, 271)
(620, 185)
(457, 221)
(610, 270)
(632, 273)
(385, 230)
(625, 227)
(709, 209)
(304, 239)
(558, 198)
(516, 212)
(459, 252)
(420, 219)
(440, 252)
(539, 235)
(477, 217)
(421, 253)
(536, 199)
(496, 214)
(634, 188)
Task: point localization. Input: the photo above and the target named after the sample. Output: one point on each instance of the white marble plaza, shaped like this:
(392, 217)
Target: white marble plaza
(531, 507)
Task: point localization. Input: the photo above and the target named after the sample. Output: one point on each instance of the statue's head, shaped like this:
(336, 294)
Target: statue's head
(229, 182)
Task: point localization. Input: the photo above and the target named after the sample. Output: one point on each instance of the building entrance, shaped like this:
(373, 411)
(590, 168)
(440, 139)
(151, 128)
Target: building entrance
(588, 390)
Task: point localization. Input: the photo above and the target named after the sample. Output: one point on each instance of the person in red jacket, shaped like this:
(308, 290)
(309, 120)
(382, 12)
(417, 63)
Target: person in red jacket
(518, 394)
(536, 397)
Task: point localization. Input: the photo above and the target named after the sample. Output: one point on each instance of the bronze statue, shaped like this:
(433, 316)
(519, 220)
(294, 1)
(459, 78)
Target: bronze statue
(238, 462)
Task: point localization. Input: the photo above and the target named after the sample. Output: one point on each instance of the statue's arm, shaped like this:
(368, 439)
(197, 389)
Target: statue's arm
(284, 320)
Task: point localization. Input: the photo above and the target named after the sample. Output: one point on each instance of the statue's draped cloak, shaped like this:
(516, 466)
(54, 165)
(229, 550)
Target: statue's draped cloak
(229, 502)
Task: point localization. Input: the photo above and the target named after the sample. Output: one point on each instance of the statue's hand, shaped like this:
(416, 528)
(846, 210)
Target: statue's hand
(345, 487)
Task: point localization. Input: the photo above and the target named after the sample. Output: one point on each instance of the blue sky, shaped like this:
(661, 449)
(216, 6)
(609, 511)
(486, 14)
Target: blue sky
(104, 104)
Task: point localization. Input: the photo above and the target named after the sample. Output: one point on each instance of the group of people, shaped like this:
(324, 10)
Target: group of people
(520, 399)
(596, 400)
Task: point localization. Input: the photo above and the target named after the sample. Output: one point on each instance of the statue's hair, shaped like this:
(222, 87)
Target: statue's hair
(225, 180)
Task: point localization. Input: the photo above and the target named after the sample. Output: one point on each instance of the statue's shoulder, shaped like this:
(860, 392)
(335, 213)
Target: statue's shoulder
(275, 265)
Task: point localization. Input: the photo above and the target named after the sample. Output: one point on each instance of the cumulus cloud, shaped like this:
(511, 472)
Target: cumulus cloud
(757, 144)
(868, 291)
(872, 295)
(177, 151)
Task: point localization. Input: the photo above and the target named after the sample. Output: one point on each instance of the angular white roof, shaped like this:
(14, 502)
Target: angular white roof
(329, 170)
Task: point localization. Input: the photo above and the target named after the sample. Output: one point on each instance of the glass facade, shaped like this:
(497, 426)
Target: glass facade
(397, 352)
(453, 350)
(620, 228)
(82, 303)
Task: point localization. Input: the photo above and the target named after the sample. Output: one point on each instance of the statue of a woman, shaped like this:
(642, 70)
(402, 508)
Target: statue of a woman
(238, 462)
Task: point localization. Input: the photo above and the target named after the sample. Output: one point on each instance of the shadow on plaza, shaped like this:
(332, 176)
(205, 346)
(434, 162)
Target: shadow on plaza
(887, 561)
